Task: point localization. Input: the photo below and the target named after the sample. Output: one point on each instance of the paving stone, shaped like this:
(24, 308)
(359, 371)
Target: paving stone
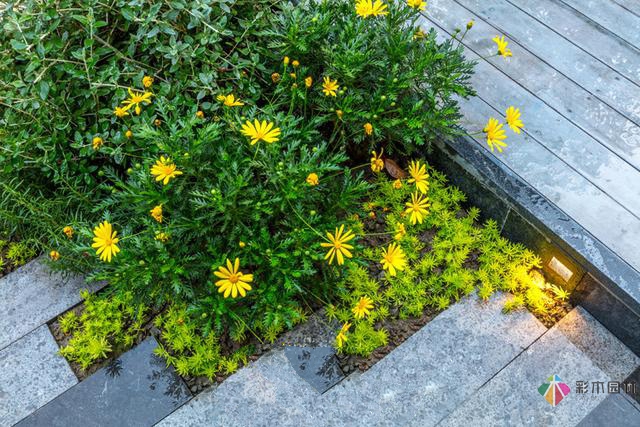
(31, 374)
(604, 349)
(137, 389)
(425, 378)
(316, 365)
(512, 397)
(616, 410)
(32, 295)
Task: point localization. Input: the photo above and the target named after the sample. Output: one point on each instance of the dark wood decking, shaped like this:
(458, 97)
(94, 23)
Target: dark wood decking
(575, 75)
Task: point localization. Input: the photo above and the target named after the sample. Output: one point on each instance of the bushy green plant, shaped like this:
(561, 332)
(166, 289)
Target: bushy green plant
(189, 351)
(107, 324)
(18, 253)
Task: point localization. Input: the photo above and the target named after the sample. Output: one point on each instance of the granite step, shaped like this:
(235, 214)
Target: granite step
(580, 351)
(137, 389)
(31, 374)
(424, 379)
(32, 295)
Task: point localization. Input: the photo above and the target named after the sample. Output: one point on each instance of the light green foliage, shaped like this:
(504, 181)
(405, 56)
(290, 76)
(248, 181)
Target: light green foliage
(189, 351)
(438, 253)
(18, 253)
(107, 324)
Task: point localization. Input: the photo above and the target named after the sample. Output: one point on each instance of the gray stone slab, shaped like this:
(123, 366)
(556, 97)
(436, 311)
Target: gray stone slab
(611, 16)
(581, 31)
(579, 105)
(32, 295)
(316, 365)
(512, 397)
(31, 374)
(570, 191)
(605, 350)
(616, 410)
(137, 389)
(561, 54)
(421, 379)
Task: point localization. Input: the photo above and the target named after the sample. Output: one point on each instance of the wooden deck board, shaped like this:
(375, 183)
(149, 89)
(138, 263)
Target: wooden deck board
(611, 16)
(581, 144)
(593, 116)
(561, 54)
(565, 20)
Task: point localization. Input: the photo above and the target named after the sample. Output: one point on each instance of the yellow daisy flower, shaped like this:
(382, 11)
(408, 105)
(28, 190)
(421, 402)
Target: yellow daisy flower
(417, 4)
(495, 134)
(501, 43)
(377, 164)
(97, 142)
(128, 134)
(342, 335)
(417, 207)
(275, 77)
(393, 259)
(286, 60)
(164, 170)
(362, 308)
(147, 81)
(54, 255)
(120, 112)
(105, 241)
(260, 131)
(230, 100)
(368, 129)
(200, 114)
(366, 8)
(397, 184)
(308, 81)
(312, 179)
(135, 99)
(233, 281)
(156, 213)
(68, 230)
(295, 63)
(339, 246)
(329, 87)
(419, 176)
(513, 119)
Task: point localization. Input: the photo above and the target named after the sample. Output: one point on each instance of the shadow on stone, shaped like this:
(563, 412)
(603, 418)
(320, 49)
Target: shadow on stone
(316, 365)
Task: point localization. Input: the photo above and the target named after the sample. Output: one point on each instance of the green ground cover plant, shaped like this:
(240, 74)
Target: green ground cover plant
(213, 157)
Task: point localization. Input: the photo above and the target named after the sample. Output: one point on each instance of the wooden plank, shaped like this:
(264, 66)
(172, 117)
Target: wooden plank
(596, 211)
(576, 148)
(593, 116)
(582, 32)
(611, 16)
(632, 6)
(561, 54)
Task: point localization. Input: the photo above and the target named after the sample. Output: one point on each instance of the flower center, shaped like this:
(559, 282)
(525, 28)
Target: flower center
(108, 241)
(338, 245)
(234, 278)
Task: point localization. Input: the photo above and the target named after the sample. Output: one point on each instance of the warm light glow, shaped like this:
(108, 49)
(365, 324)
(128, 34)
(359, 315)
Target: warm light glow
(560, 269)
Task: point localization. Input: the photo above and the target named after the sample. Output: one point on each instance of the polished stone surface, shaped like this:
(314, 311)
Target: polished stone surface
(137, 389)
(517, 229)
(32, 295)
(610, 310)
(316, 365)
(616, 410)
(418, 383)
(512, 398)
(31, 374)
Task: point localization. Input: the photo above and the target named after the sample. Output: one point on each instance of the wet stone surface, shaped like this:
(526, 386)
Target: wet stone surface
(136, 389)
(316, 365)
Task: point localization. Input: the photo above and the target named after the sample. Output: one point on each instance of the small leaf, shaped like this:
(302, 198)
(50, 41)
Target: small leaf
(393, 169)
